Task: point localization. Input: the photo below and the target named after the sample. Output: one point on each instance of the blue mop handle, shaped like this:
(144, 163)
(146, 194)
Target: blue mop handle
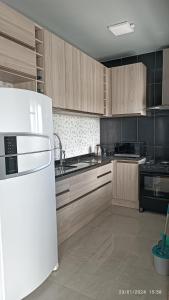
(163, 244)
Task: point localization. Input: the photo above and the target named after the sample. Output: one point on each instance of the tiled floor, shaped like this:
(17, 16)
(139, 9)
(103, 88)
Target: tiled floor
(110, 254)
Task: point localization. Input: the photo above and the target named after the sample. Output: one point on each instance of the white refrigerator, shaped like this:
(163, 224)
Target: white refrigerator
(28, 231)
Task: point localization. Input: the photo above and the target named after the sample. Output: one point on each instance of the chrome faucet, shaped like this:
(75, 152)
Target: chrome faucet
(62, 152)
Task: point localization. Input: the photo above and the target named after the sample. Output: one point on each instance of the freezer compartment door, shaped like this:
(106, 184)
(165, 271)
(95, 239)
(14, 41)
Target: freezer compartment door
(32, 143)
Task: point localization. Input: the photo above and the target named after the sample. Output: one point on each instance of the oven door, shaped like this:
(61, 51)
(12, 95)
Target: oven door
(154, 192)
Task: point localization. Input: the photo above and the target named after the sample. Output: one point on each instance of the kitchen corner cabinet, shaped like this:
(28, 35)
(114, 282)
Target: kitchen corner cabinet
(129, 89)
(54, 54)
(16, 26)
(125, 186)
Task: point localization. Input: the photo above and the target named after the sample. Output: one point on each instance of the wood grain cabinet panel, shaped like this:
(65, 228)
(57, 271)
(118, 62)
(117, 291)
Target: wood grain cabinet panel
(17, 57)
(73, 84)
(71, 218)
(87, 70)
(62, 189)
(16, 26)
(55, 69)
(126, 181)
(90, 193)
(129, 89)
(58, 72)
(98, 88)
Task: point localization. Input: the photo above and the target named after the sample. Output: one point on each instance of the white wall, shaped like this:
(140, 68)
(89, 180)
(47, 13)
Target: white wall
(79, 134)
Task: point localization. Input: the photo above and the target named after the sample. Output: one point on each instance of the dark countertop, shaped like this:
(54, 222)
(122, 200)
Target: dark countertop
(84, 163)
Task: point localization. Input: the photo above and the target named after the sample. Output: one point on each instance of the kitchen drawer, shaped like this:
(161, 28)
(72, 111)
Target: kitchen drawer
(17, 57)
(83, 183)
(74, 216)
(104, 174)
(16, 26)
(62, 192)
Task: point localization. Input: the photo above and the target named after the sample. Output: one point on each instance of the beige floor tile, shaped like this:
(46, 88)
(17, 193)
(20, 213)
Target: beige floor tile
(111, 253)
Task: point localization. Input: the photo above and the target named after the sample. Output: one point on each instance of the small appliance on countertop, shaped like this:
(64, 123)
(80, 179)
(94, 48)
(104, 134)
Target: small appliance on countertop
(125, 149)
(154, 186)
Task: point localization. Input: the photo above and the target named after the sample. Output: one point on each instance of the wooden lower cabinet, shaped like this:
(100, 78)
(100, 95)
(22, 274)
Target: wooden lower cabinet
(82, 197)
(125, 185)
(71, 218)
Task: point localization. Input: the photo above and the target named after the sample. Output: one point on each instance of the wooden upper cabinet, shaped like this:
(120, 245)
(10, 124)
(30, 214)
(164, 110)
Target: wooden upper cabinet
(87, 71)
(58, 72)
(16, 26)
(107, 92)
(99, 88)
(72, 81)
(55, 69)
(129, 89)
(17, 57)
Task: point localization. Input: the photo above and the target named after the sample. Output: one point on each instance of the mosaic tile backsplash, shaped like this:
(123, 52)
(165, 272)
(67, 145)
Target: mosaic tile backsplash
(79, 134)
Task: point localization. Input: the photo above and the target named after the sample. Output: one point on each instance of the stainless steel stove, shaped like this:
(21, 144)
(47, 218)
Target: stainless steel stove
(154, 186)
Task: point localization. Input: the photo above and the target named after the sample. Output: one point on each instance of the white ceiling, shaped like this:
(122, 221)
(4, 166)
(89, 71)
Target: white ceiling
(83, 23)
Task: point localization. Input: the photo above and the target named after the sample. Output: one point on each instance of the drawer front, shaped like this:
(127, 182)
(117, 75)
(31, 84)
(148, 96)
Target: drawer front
(74, 216)
(16, 26)
(83, 183)
(62, 192)
(104, 174)
(16, 57)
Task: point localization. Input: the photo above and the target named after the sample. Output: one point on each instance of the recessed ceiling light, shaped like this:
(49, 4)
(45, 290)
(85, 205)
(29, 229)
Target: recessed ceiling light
(121, 28)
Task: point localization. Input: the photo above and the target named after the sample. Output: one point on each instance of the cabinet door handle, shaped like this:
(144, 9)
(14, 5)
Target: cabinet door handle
(63, 192)
(104, 174)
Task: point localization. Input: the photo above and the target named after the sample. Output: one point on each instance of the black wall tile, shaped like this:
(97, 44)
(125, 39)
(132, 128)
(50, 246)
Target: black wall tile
(150, 99)
(113, 63)
(110, 131)
(146, 130)
(159, 59)
(129, 129)
(158, 94)
(162, 130)
(162, 153)
(129, 60)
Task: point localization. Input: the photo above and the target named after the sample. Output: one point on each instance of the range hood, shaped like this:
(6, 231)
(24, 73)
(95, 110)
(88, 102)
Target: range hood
(164, 105)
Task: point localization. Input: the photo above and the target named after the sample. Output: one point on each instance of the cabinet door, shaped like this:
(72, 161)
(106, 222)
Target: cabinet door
(127, 181)
(17, 57)
(129, 89)
(16, 26)
(98, 88)
(87, 83)
(58, 72)
(73, 91)
(48, 64)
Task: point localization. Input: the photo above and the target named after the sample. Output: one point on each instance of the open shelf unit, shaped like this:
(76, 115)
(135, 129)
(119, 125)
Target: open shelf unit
(39, 48)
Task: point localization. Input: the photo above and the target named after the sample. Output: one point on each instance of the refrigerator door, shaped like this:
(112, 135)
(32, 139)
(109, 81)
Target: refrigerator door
(28, 237)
